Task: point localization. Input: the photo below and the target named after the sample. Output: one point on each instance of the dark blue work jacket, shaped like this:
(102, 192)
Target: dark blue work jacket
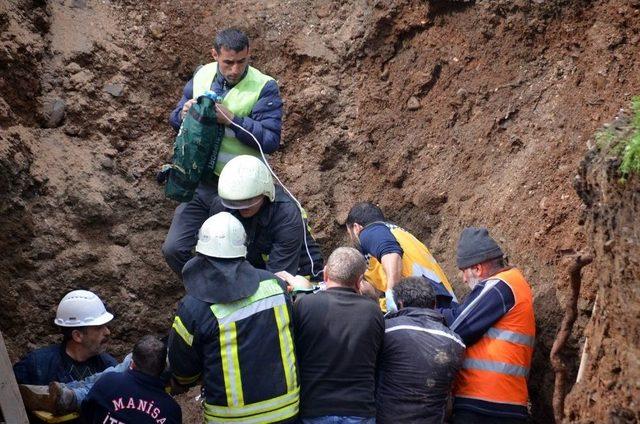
(47, 364)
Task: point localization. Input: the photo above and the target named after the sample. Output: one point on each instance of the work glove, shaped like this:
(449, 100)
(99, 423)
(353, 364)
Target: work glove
(391, 303)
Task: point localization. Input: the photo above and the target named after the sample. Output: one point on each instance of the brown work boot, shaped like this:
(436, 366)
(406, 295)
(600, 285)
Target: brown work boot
(64, 399)
(37, 398)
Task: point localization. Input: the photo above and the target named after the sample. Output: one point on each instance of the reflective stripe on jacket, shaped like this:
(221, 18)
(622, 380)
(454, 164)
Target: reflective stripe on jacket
(416, 368)
(496, 367)
(417, 261)
(240, 100)
(244, 351)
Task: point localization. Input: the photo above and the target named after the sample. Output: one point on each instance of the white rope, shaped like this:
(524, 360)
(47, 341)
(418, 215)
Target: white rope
(264, 158)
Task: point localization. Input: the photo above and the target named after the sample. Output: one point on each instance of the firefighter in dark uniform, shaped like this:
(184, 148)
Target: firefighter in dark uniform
(278, 237)
(233, 331)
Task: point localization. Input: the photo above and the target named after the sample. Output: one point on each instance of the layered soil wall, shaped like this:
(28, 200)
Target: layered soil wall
(608, 391)
(447, 114)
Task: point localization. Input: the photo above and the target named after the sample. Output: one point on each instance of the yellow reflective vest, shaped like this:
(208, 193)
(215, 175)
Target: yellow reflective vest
(244, 353)
(240, 100)
(417, 261)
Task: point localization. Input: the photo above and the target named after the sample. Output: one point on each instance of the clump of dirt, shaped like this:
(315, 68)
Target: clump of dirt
(447, 114)
(608, 390)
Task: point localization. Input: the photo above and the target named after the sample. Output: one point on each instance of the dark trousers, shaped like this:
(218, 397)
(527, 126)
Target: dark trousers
(469, 417)
(187, 220)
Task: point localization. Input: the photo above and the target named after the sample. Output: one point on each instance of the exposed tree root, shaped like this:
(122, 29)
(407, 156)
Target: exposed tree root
(570, 314)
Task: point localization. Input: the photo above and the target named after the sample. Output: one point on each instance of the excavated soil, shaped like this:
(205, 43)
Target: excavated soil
(446, 113)
(609, 390)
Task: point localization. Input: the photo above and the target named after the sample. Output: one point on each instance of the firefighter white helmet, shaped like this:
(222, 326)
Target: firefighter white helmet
(222, 236)
(81, 308)
(243, 181)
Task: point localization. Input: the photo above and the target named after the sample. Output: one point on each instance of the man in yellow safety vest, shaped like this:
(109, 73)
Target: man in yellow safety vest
(250, 105)
(393, 253)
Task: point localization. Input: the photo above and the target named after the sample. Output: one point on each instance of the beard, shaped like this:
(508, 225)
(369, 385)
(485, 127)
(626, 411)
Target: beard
(473, 281)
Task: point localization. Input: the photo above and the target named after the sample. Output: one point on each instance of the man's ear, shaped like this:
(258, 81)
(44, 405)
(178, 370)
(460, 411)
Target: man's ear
(359, 283)
(77, 336)
(133, 365)
(214, 54)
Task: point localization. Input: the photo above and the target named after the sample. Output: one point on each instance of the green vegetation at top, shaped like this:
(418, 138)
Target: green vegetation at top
(627, 146)
(631, 154)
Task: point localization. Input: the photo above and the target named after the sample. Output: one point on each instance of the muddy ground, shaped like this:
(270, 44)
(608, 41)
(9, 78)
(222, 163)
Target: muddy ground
(447, 114)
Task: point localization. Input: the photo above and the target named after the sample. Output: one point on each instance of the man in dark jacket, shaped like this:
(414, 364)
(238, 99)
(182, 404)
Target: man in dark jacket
(251, 104)
(83, 319)
(233, 331)
(338, 335)
(420, 358)
(278, 238)
(136, 395)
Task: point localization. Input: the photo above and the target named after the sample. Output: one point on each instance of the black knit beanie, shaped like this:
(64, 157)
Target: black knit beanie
(476, 246)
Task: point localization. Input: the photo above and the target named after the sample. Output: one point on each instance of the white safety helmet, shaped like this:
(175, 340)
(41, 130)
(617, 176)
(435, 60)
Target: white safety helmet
(243, 181)
(81, 308)
(222, 236)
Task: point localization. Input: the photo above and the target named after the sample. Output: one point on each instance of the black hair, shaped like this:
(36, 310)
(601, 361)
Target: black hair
(67, 332)
(150, 355)
(414, 292)
(364, 213)
(231, 39)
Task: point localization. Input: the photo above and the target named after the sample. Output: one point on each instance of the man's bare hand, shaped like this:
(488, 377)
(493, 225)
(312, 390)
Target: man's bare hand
(284, 275)
(224, 116)
(186, 108)
(297, 282)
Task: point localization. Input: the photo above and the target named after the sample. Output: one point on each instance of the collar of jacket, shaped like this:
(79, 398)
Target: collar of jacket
(431, 314)
(220, 79)
(215, 280)
(146, 379)
(341, 289)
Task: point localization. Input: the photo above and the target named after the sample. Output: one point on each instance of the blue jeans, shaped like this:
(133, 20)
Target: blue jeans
(335, 419)
(81, 388)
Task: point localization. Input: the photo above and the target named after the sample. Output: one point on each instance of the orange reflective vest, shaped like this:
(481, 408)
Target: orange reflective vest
(495, 369)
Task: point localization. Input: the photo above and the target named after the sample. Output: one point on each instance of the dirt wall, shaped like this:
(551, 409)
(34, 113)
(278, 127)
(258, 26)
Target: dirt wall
(608, 390)
(447, 114)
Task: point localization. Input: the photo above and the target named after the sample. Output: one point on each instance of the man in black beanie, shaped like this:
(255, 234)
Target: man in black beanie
(496, 322)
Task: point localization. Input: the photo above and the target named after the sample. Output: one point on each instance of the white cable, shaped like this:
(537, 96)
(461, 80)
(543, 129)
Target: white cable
(264, 158)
